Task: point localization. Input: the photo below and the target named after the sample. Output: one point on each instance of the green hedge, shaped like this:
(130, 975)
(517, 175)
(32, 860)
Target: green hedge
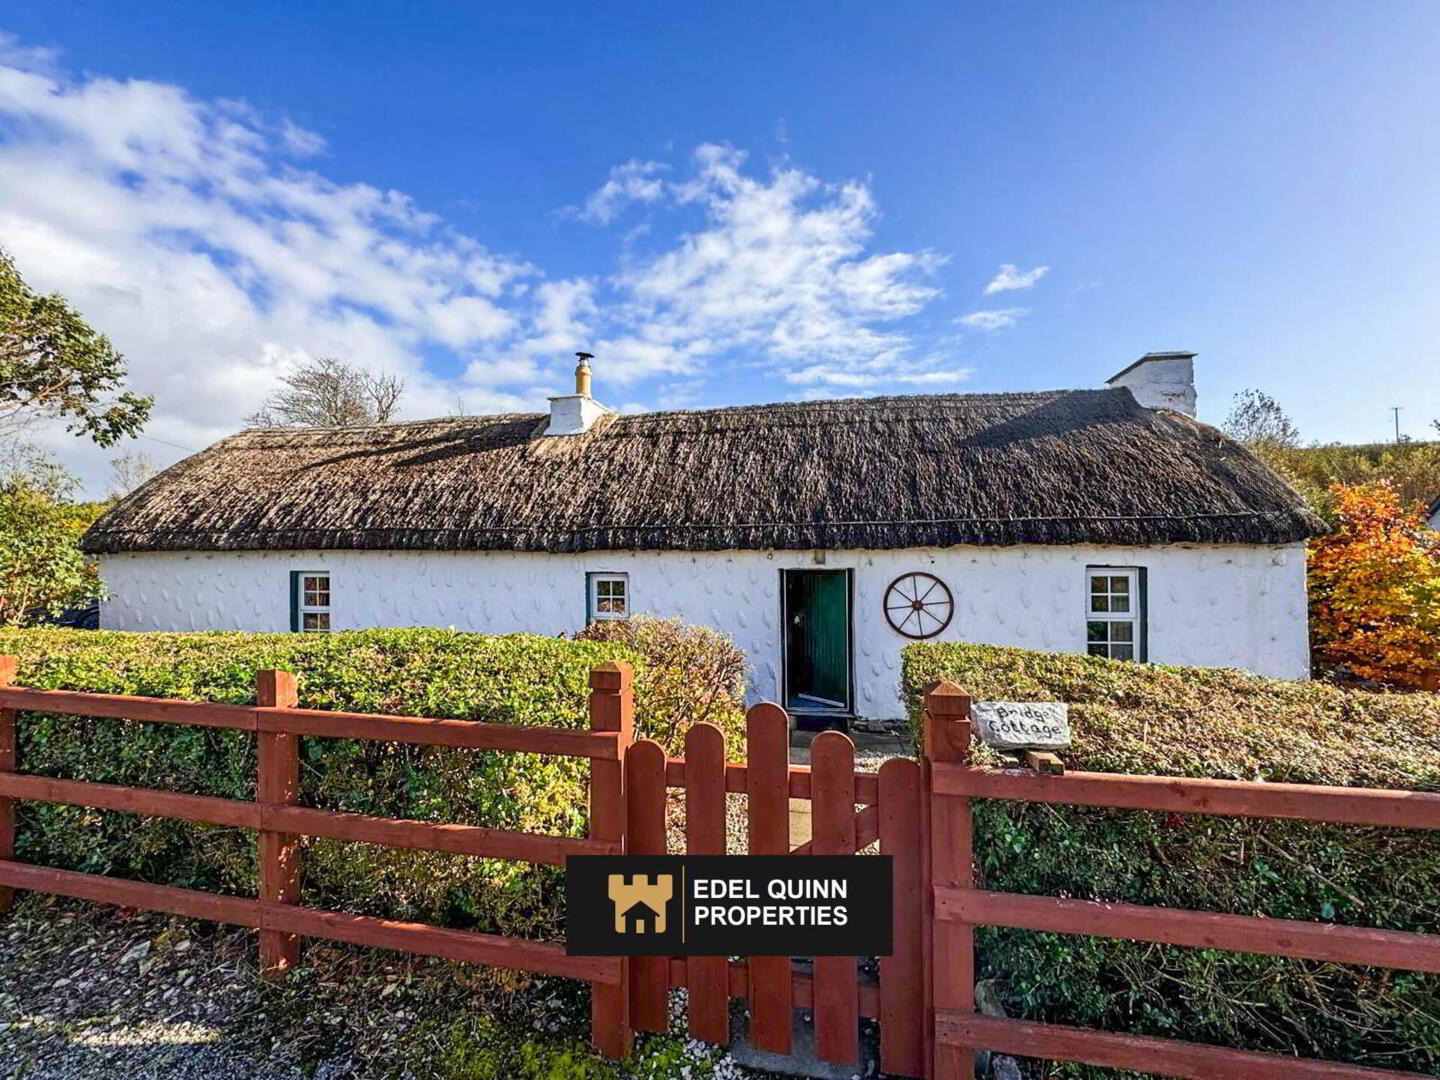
(517, 679)
(1131, 718)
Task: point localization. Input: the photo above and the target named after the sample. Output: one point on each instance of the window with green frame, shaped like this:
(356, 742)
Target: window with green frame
(1115, 599)
(607, 596)
(310, 601)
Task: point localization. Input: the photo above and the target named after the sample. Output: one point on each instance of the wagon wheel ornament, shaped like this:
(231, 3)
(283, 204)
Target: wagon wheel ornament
(918, 605)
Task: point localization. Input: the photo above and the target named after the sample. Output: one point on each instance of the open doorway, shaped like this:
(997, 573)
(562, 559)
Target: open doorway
(817, 642)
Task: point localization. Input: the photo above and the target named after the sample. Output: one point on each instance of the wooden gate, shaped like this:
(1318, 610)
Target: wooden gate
(850, 811)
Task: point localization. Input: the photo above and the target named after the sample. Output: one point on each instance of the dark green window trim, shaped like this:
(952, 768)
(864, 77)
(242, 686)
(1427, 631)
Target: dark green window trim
(295, 600)
(1144, 576)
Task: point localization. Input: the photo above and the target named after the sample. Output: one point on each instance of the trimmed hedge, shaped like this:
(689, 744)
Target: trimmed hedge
(1130, 718)
(515, 679)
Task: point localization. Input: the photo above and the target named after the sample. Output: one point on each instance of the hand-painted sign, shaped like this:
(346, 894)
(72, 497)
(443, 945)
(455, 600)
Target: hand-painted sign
(1022, 725)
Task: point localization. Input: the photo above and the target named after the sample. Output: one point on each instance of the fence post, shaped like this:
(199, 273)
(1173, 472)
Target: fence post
(277, 758)
(767, 786)
(612, 708)
(9, 762)
(902, 981)
(707, 977)
(645, 835)
(832, 808)
(950, 955)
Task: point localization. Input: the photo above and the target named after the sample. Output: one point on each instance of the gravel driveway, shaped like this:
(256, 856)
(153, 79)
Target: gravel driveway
(86, 996)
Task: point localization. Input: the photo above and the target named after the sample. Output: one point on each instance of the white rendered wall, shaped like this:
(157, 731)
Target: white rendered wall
(1215, 606)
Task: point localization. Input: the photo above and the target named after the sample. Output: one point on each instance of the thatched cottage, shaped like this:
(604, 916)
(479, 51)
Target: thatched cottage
(822, 536)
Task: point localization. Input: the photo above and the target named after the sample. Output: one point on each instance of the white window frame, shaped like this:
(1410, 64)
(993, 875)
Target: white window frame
(592, 593)
(302, 608)
(1134, 614)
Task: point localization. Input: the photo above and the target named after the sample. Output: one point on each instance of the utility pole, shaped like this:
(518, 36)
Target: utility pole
(1396, 410)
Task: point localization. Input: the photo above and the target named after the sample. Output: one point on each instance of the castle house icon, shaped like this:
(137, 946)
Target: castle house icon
(639, 903)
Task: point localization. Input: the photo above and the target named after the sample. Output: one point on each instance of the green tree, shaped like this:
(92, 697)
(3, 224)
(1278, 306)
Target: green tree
(54, 364)
(1412, 469)
(42, 570)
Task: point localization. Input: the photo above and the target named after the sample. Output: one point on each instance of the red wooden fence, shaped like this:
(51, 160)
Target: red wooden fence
(958, 907)
(628, 785)
(919, 812)
(277, 913)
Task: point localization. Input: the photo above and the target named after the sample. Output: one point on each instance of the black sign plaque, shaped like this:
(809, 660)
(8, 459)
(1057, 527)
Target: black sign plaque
(728, 905)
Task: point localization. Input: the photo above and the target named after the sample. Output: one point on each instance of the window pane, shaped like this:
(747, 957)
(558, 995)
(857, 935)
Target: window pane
(316, 620)
(1122, 652)
(1120, 584)
(1122, 631)
(607, 596)
(1098, 583)
(1098, 650)
(1099, 603)
(317, 581)
(1095, 631)
(1119, 603)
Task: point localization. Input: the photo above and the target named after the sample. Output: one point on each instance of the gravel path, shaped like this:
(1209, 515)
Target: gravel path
(85, 997)
(87, 993)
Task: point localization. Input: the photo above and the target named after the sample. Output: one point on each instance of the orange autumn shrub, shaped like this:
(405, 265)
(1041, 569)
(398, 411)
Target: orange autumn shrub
(1375, 588)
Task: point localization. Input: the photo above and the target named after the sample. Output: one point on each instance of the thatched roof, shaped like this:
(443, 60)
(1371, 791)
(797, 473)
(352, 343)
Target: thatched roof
(1085, 466)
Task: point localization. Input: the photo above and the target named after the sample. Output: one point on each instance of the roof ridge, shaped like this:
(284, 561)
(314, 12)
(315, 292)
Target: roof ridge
(815, 405)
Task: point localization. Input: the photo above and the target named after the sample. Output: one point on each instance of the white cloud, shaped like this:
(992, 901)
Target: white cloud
(993, 320)
(193, 234)
(779, 270)
(185, 231)
(1011, 276)
(635, 181)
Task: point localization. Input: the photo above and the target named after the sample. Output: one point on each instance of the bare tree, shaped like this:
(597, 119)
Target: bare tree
(1258, 421)
(329, 393)
(129, 471)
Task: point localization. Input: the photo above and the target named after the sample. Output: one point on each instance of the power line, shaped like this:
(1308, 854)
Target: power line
(163, 442)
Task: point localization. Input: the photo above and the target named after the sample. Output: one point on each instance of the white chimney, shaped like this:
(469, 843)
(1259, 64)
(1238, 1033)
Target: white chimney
(1161, 380)
(573, 414)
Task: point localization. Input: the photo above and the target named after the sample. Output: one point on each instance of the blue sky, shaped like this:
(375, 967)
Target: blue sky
(734, 202)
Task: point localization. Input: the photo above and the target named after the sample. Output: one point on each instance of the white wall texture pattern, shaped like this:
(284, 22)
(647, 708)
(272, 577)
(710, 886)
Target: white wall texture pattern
(1214, 606)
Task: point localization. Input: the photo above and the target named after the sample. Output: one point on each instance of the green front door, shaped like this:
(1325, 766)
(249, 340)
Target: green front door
(817, 639)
